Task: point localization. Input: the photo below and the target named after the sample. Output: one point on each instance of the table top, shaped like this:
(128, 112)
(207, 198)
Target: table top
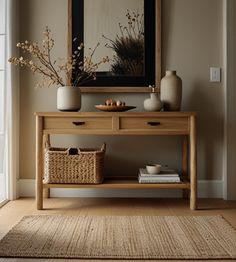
(138, 114)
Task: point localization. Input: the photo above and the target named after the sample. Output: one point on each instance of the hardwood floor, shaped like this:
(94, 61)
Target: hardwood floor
(12, 212)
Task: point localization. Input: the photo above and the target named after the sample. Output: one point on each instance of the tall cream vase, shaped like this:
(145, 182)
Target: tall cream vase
(68, 98)
(171, 91)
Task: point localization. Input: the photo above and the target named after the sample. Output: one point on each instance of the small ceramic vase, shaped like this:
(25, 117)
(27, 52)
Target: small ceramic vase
(171, 91)
(153, 103)
(68, 98)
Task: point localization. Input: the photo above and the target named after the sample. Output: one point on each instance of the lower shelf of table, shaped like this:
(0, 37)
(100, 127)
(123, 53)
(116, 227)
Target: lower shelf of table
(123, 183)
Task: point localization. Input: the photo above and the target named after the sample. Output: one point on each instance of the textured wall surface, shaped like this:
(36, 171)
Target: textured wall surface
(192, 42)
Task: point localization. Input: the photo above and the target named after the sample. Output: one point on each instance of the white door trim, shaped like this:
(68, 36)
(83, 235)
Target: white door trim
(229, 54)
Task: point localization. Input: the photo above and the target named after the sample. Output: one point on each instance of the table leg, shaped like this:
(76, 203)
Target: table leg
(46, 143)
(46, 192)
(39, 162)
(185, 165)
(193, 163)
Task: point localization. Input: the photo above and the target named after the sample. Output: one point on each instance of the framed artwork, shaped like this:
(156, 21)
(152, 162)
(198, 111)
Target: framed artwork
(128, 32)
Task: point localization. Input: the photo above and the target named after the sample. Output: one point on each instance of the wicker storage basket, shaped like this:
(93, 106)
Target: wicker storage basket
(74, 166)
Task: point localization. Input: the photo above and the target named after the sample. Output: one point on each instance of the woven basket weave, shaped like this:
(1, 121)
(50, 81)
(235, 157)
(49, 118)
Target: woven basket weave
(74, 166)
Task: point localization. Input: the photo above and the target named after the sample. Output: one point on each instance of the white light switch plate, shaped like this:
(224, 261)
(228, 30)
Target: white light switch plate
(215, 75)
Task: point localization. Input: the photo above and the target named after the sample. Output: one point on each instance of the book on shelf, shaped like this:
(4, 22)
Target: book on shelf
(145, 180)
(164, 173)
(165, 176)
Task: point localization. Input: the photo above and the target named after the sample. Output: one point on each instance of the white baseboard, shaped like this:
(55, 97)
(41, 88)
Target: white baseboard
(206, 189)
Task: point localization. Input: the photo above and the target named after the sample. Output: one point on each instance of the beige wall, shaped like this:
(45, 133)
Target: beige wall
(192, 42)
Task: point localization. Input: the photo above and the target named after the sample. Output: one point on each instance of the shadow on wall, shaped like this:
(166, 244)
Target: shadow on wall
(126, 155)
(209, 128)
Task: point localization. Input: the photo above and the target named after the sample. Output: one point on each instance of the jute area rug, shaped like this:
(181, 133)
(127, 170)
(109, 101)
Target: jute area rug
(121, 237)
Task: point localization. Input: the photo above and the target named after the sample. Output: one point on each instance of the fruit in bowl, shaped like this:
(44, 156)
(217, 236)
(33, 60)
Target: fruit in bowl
(111, 102)
(111, 105)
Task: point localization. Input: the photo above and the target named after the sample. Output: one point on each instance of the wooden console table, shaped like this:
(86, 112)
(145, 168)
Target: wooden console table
(121, 123)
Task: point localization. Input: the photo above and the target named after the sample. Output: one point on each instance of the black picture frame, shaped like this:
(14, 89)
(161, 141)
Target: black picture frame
(122, 83)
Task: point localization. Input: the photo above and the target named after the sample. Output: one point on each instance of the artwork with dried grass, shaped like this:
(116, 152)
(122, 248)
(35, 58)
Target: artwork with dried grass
(128, 46)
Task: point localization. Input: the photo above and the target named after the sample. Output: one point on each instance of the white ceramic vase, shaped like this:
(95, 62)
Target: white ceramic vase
(153, 103)
(171, 91)
(68, 98)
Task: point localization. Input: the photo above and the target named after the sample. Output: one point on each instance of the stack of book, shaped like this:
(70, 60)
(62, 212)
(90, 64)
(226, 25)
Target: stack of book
(165, 176)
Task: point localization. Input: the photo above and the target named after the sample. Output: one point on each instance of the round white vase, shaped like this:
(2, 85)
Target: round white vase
(171, 91)
(68, 98)
(153, 103)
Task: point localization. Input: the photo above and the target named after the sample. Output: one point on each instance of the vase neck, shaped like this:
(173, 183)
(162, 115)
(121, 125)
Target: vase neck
(154, 95)
(170, 72)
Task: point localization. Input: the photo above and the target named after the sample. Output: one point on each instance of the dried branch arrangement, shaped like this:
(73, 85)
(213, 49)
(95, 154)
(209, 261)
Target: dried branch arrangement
(128, 46)
(57, 72)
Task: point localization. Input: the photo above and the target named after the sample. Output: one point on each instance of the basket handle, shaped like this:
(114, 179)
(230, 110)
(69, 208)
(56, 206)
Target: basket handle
(103, 148)
(72, 151)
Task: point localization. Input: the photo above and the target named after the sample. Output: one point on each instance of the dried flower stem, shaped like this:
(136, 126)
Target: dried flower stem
(56, 73)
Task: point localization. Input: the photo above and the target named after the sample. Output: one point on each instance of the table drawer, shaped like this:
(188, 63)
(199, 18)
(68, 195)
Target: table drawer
(86, 123)
(155, 123)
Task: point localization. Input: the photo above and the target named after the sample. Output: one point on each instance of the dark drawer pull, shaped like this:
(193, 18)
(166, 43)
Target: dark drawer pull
(78, 123)
(153, 123)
